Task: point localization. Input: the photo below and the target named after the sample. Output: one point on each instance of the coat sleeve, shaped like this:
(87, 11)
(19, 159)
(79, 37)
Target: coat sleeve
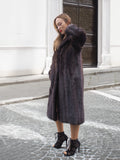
(76, 35)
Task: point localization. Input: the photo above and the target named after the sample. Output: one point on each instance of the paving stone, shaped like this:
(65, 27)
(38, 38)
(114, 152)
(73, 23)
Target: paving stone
(47, 158)
(27, 134)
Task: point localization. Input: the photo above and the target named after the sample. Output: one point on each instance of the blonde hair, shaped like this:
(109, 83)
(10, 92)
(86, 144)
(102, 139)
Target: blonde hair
(59, 38)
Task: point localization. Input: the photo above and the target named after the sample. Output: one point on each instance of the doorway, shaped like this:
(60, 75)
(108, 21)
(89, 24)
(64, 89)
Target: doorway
(84, 15)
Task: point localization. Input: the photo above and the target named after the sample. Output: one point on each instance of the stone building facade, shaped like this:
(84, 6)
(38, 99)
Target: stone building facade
(27, 34)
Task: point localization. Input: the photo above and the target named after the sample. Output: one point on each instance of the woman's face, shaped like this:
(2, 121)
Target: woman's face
(61, 25)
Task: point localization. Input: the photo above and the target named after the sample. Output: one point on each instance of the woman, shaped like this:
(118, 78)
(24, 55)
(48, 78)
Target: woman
(65, 102)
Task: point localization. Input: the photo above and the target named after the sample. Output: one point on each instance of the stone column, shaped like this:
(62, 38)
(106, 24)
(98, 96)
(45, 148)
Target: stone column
(104, 56)
(54, 8)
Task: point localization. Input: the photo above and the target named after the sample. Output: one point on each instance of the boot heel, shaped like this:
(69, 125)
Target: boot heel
(66, 143)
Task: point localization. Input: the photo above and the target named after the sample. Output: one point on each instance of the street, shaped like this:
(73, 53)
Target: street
(27, 134)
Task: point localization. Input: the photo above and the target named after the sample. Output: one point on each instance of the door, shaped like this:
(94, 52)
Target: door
(84, 15)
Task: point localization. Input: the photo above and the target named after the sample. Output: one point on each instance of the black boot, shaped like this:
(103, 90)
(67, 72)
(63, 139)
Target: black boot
(73, 146)
(61, 137)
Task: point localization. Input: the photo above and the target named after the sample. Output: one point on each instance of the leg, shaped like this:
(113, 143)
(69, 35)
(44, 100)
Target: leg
(74, 143)
(59, 126)
(74, 131)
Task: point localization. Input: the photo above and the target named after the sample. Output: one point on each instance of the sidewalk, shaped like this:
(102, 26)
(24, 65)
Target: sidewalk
(24, 88)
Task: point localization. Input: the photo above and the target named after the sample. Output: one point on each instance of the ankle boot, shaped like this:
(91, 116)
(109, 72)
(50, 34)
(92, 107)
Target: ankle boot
(61, 137)
(73, 146)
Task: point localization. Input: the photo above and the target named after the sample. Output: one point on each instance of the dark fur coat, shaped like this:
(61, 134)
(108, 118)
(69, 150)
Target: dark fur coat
(65, 101)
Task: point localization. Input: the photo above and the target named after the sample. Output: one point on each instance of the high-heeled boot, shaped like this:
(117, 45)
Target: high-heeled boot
(61, 137)
(73, 146)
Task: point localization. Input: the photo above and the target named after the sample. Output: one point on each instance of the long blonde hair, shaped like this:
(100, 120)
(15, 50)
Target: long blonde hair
(59, 38)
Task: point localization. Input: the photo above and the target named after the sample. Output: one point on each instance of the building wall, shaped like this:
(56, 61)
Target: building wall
(115, 32)
(23, 37)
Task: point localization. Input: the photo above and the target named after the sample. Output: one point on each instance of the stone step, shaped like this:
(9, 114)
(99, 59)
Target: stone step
(101, 77)
(93, 78)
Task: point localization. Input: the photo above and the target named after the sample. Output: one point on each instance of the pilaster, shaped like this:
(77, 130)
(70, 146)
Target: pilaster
(104, 56)
(54, 8)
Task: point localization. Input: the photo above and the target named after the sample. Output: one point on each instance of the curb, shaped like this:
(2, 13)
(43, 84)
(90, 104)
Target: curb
(23, 99)
(19, 80)
(101, 86)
